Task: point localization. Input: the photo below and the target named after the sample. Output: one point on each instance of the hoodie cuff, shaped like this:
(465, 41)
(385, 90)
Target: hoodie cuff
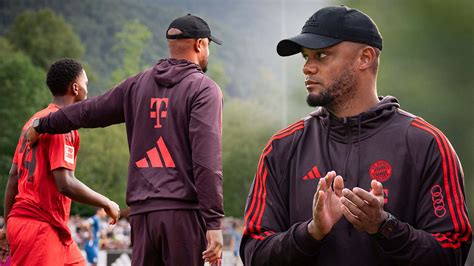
(305, 242)
(399, 237)
(214, 223)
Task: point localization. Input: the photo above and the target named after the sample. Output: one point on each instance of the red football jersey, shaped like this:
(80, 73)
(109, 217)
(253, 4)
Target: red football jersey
(38, 197)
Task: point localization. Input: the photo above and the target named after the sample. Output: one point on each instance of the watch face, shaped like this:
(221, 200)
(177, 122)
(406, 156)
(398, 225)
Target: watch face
(388, 227)
(35, 123)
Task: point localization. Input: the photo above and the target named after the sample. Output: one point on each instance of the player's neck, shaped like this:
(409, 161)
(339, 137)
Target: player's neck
(62, 101)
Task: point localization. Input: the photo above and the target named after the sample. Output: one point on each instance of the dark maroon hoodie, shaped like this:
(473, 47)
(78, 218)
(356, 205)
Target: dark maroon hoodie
(173, 116)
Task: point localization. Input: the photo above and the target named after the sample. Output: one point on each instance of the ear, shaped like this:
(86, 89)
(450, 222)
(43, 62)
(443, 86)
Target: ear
(75, 88)
(367, 58)
(198, 45)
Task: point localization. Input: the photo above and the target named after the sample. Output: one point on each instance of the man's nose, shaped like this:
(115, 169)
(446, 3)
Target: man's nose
(310, 68)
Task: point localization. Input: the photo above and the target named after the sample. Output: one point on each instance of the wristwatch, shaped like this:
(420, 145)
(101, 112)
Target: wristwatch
(387, 227)
(35, 123)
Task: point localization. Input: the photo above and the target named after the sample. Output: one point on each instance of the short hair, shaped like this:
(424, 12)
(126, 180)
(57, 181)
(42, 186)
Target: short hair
(61, 74)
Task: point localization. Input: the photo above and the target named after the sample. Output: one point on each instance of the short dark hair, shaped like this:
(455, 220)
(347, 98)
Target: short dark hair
(61, 74)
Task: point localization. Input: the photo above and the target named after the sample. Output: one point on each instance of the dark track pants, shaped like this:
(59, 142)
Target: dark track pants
(168, 237)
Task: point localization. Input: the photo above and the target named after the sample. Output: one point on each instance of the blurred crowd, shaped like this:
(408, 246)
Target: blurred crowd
(111, 236)
(117, 237)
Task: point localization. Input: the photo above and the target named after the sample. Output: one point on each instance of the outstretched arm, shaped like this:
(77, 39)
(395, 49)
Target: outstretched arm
(100, 111)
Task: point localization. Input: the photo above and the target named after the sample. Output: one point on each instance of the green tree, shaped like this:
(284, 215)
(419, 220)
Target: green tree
(217, 73)
(23, 93)
(247, 127)
(102, 164)
(104, 153)
(44, 37)
(130, 44)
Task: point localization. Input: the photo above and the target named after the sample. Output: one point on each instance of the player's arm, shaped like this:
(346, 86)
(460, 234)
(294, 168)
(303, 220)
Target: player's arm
(71, 187)
(205, 135)
(125, 213)
(269, 238)
(11, 190)
(442, 233)
(100, 111)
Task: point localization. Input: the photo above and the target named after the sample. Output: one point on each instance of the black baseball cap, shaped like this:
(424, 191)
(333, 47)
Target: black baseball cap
(330, 26)
(192, 27)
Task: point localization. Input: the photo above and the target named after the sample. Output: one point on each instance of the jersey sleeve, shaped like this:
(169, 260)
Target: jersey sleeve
(442, 233)
(63, 151)
(269, 238)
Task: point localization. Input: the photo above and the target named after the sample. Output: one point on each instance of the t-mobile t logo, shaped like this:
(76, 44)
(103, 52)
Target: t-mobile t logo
(159, 110)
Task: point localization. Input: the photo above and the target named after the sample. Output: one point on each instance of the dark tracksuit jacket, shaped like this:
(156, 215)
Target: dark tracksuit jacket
(421, 176)
(173, 117)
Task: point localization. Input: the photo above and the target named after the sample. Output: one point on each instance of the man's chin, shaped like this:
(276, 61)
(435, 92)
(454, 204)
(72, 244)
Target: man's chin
(315, 100)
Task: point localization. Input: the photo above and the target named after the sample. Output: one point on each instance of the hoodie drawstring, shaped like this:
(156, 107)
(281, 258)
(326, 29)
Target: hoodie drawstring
(359, 126)
(350, 149)
(327, 145)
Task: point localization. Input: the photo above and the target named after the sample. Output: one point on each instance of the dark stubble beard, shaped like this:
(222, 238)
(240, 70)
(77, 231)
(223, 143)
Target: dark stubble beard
(203, 65)
(340, 89)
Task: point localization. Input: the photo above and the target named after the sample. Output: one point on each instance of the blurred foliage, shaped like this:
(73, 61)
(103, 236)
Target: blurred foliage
(247, 127)
(23, 93)
(130, 42)
(45, 37)
(102, 164)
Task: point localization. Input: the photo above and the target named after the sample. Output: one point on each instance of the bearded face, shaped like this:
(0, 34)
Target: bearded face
(338, 89)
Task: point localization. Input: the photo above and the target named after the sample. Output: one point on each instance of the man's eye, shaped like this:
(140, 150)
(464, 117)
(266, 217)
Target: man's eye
(321, 55)
(305, 56)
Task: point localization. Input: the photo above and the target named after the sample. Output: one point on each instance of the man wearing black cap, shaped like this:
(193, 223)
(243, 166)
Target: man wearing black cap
(173, 115)
(393, 193)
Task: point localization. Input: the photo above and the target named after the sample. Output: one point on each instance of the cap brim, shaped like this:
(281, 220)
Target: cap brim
(293, 45)
(214, 39)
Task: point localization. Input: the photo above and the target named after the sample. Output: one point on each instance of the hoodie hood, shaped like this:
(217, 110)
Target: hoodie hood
(361, 126)
(169, 72)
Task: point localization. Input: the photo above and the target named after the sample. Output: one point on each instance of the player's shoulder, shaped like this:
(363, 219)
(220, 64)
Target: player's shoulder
(208, 83)
(420, 129)
(288, 133)
(41, 113)
(422, 135)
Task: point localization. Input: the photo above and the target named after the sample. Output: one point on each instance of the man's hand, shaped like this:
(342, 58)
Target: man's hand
(364, 209)
(113, 211)
(326, 205)
(4, 247)
(125, 213)
(213, 253)
(31, 134)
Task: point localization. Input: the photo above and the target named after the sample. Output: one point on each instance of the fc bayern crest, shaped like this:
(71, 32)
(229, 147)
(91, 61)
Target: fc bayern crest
(381, 170)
